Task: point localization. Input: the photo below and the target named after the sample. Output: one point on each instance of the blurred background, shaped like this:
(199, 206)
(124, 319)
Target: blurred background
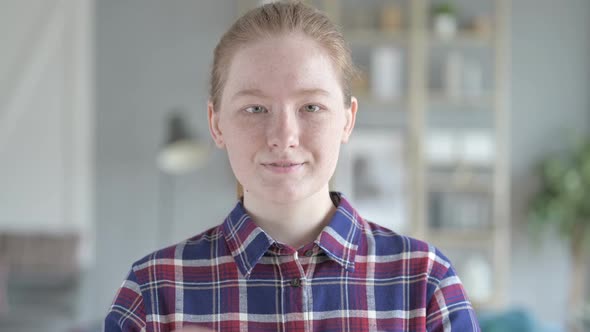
(470, 135)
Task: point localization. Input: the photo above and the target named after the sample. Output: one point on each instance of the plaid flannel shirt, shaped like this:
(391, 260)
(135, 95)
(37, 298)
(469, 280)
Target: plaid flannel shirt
(357, 276)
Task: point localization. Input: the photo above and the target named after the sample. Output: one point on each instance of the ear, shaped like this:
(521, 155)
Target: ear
(350, 115)
(214, 126)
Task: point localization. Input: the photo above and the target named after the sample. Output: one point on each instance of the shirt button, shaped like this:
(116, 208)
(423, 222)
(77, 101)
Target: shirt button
(309, 253)
(296, 282)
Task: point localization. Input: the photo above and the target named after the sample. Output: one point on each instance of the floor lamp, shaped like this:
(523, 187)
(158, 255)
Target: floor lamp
(181, 154)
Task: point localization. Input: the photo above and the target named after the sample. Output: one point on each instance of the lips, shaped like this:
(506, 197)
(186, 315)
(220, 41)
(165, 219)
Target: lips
(283, 166)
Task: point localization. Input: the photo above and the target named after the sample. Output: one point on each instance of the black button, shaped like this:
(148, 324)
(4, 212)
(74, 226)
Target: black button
(309, 253)
(296, 282)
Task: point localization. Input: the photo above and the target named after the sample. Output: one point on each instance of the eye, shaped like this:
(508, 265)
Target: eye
(256, 109)
(311, 108)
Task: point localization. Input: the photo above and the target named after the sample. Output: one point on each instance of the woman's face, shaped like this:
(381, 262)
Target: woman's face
(282, 118)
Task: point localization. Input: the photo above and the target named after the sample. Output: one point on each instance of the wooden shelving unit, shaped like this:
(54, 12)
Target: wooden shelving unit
(424, 103)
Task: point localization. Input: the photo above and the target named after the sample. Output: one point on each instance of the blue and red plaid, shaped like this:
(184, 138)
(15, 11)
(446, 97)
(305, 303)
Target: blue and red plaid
(357, 276)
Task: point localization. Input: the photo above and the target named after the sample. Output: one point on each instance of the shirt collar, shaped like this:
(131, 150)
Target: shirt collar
(248, 242)
(340, 239)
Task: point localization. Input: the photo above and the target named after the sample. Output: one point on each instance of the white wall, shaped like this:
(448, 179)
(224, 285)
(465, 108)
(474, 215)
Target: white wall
(46, 116)
(46, 151)
(550, 100)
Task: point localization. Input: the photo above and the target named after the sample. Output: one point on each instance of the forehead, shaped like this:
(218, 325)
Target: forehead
(280, 65)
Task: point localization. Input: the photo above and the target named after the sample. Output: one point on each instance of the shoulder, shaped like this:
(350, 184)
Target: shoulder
(197, 250)
(152, 276)
(390, 246)
(428, 271)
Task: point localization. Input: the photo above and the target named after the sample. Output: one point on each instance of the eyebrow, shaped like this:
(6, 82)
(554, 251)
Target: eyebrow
(300, 92)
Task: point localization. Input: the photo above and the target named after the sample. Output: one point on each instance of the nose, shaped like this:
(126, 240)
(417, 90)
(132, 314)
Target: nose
(283, 131)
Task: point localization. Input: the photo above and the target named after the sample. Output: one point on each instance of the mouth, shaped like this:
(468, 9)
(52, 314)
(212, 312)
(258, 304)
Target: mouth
(283, 166)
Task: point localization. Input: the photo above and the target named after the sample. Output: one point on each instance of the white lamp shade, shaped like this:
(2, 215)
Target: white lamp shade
(182, 157)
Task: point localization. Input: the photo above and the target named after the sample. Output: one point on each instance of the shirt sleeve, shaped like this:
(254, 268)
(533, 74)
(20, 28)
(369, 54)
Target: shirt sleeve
(127, 312)
(449, 309)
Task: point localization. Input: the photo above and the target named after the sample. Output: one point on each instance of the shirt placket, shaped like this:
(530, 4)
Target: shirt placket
(295, 289)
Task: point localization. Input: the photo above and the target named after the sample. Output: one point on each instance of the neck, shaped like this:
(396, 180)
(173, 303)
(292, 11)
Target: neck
(295, 223)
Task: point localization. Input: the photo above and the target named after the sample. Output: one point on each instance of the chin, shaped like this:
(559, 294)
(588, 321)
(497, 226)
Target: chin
(281, 195)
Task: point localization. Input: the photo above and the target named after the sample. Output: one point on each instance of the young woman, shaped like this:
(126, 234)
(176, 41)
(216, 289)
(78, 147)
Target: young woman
(291, 255)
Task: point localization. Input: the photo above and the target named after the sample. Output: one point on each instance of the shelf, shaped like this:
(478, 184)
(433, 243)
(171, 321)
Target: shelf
(463, 39)
(379, 113)
(437, 97)
(438, 118)
(375, 37)
(460, 182)
(367, 117)
(365, 100)
(452, 186)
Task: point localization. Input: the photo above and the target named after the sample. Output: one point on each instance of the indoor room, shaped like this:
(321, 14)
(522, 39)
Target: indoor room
(472, 134)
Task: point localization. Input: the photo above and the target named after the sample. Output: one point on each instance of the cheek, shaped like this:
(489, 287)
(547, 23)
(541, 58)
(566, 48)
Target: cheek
(241, 142)
(241, 159)
(326, 142)
(239, 133)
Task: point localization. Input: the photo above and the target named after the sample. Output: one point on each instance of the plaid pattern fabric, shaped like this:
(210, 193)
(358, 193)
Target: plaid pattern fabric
(357, 276)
